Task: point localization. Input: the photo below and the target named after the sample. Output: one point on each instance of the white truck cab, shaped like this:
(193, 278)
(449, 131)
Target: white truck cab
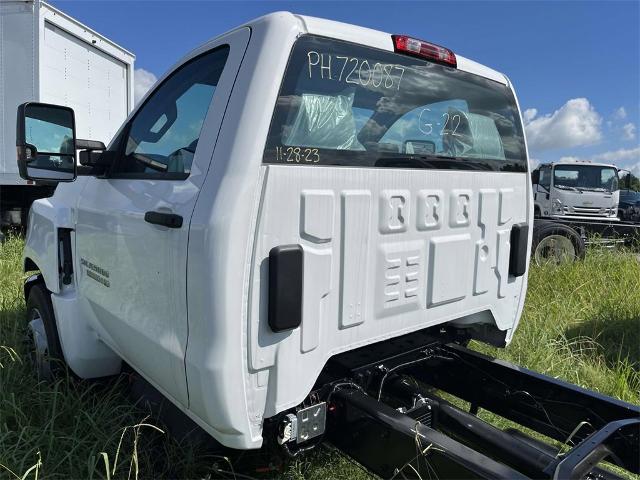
(576, 190)
(292, 190)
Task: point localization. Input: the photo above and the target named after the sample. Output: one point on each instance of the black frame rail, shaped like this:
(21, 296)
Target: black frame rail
(627, 232)
(390, 416)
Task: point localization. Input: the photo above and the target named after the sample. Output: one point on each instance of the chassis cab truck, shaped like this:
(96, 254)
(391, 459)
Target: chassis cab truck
(297, 206)
(578, 190)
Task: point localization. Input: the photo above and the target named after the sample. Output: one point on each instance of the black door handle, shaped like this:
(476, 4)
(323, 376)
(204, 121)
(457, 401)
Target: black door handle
(170, 220)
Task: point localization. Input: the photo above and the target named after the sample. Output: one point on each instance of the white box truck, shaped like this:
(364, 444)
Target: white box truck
(47, 56)
(300, 213)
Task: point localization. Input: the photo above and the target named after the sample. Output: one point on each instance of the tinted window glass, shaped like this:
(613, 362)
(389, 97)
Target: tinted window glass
(347, 104)
(585, 177)
(163, 136)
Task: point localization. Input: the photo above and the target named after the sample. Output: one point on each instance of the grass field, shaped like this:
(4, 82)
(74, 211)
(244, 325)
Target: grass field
(581, 323)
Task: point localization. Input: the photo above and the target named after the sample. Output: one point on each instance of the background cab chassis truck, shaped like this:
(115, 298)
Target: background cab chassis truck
(581, 190)
(47, 56)
(299, 211)
(577, 203)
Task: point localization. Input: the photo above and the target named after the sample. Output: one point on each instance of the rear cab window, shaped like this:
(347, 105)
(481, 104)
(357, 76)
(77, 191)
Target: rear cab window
(345, 104)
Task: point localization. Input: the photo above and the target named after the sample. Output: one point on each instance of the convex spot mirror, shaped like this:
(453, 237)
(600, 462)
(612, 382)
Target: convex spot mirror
(46, 143)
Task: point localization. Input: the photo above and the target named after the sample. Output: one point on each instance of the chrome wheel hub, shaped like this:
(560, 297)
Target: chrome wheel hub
(39, 346)
(555, 249)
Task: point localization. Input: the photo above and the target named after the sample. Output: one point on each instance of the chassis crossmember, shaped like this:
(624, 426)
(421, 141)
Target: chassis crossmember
(390, 416)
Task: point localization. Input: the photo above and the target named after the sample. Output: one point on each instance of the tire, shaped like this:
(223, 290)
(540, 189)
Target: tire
(556, 243)
(43, 342)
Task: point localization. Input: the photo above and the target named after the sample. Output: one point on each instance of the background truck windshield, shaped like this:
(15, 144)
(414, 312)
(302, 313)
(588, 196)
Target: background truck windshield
(585, 177)
(346, 104)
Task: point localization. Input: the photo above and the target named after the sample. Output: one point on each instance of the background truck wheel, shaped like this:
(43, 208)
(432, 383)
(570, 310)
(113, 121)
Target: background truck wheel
(553, 242)
(42, 339)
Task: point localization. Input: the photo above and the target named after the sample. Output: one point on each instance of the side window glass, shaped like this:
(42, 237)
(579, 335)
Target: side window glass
(163, 136)
(609, 179)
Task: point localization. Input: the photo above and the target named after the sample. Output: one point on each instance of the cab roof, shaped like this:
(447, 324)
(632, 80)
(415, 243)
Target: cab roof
(578, 162)
(364, 36)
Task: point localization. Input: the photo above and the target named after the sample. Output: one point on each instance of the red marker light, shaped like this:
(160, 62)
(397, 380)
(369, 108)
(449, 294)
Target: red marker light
(422, 49)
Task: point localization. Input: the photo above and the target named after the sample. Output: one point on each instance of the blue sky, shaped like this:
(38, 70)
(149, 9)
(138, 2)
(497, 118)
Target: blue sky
(575, 65)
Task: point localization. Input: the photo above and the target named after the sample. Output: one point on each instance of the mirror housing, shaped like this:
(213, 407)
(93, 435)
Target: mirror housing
(90, 152)
(94, 158)
(626, 183)
(46, 143)
(535, 177)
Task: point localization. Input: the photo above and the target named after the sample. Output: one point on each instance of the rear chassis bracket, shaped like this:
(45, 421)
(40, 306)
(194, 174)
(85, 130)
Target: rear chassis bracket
(390, 416)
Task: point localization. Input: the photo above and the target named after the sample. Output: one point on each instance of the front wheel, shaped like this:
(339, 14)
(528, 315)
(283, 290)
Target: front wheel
(43, 343)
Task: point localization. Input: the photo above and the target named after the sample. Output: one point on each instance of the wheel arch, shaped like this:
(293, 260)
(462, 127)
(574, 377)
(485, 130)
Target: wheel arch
(85, 354)
(32, 280)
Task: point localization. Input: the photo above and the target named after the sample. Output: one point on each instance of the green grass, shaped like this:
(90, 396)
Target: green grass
(581, 323)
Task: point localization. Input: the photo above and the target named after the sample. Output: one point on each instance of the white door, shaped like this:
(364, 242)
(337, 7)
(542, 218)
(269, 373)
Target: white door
(85, 78)
(132, 227)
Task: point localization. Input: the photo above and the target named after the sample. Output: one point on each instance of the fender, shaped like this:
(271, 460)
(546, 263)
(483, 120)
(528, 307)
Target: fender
(84, 352)
(40, 250)
(31, 281)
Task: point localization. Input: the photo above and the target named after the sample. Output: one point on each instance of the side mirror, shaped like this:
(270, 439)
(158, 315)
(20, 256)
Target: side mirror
(535, 177)
(46, 143)
(625, 179)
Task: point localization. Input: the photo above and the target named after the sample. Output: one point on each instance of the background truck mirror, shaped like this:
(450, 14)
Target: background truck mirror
(535, 176)
(625, 179)
(45, 142)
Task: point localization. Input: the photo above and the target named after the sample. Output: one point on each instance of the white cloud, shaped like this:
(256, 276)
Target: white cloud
(620, 155)
(620, 114)
(629, 131)
(574, 124)
(529, 114)
(617, 157)
(635, 169)
(571, 159)
(143, 81)
(533, 163)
